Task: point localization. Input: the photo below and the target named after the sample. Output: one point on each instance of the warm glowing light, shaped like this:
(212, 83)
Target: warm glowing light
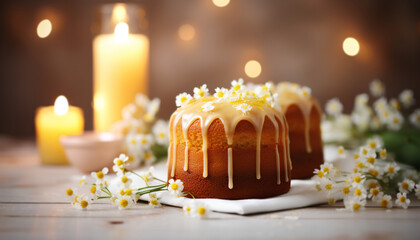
(119, 13)
(221, 3)
(44, 28)
(121, 31)
(61, 105)
(351, 46)
(98, 102)
(186, 32)
(253, 69)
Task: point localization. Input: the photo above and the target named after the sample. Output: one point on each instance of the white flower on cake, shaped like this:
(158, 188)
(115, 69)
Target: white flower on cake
(402, 200)
(415, 118)
(377, 88)
(237, 85)
(395, 121)
(221, 92)
(263, 90)
(244, 108)
(176, 187)
(406, 186)
(407, 98)
(182, 99)
(120, 164)
(160, 132)
(201, 92)
(100, 177)
(334, 107)
(207, 107)
(305, 91)
(385, 201)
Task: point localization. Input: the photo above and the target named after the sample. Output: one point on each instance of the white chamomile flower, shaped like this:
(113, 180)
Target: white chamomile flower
(145, 140)
(120, 164)
(395, 104)
(370, 157)
(395, 121)
(305, 91)
(402, 200)
(148, 176)
(375, 143)
(149, 157)
(263, 90)
(182, 99)
(377, 88)
(334, 107)
(406, 186)
(81, 201)
(375, 123)
(201, 92)
(341, 152)
(176, 187)
(151, 109)
(195, 209)
(361, 100)
(129, 111)
(244, 108)
(415, 118)
(70, 193)
(125, 181)
(354, 204)
(380, 105)
(221, 93)
(100, 177)
(375, 194)
(207, 107)
(141, 100)
(186, 209)
(83, 181)
(385, 201)
(160, 132)
(417, 190)
(328, 169)
(357, 179)
(407, 98)
(124, 202)
(366, 151)
(154, 201)
(391, 169)
(237, 85)
(382, 153)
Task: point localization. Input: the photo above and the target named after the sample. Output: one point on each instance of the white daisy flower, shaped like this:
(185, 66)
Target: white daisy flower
(334, 107)
(395, 121)
(129, 111)
(370, 157)
(176, 187)
(70, 193)
(196, 209)
(394, 103)
(125, 181)
(375, 143)
(406, 186)
(151, 109)
(341, 152)
(141, 100)
(385, 201)
(407, 98)
(207, 107)
(160, 131)
(361, 100)
(263, 90)
(383, 153)
(377, 88)
(148, 176)
(375, 123)
(154, 201)
(391, 169)
(221, 93)
(237, 85)
(402, 200)
(305, 91)
(100, 177)
(244, 108)
(149, 157)
(375, 194)
(357, 180)
(415, 118)
(380, 105)
(124, 202)
(186, 209)
(81, 201)
(182, 99)
(354, 204)
(201, 92)
(417, 190)
(145, 140)
(120, 164)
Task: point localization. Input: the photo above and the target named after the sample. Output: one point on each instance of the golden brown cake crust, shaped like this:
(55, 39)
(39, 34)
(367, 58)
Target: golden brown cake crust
(245, 183)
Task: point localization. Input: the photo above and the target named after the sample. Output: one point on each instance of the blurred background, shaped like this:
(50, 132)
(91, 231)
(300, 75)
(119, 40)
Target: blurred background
(196, 42)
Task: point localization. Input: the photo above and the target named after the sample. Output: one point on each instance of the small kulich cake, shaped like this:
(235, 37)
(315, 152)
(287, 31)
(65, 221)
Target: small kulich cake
(233, 145)
(303, 115)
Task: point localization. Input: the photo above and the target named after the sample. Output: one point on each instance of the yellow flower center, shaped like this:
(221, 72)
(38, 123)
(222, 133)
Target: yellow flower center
(82, 182)
(358, 192)
(147, 155)
(174, 186)
(119, 162)
(122, 192)
(391, 169)
(372, 144)
(326, 170)
(402, 199)
(372, 185)
(154, 202)
(371, 160)
(374, 172)
(237, 87)
(346, 190)
(84, 204)
(364, 151)
(143, 141)
(133, 141)
(93, 189)
(374, 192)
(356, 156)
(76, 198)
(161, 135)
(340, 151)
(201, 93)
(69, 192)
(384, 203)
(356, 207)
(395, 120)
(201, 211)
(404, 185)
(357, 179)
(382, 154)
(100, 175)
(124, 203)
(128, 192)
(220, 94)
(187, 209)
(331, 201)
(328, 186)
(124, 179)
(320, 174)
(360, 165)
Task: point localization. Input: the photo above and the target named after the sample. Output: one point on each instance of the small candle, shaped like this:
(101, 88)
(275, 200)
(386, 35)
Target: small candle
(53, 121)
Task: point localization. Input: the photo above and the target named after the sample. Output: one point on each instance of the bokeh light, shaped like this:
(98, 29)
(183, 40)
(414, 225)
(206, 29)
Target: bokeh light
(351, 46)
(44, 28)
(186, 32)
(221, 3)
(253, 68)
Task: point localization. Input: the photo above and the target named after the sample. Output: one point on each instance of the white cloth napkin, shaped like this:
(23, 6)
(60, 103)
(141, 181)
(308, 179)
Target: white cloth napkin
(302, 194)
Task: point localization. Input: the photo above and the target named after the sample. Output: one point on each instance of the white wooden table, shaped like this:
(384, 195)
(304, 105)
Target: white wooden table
(33, 206)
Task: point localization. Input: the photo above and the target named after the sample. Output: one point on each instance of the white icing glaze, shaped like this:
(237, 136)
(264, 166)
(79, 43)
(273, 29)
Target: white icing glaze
(230, 117)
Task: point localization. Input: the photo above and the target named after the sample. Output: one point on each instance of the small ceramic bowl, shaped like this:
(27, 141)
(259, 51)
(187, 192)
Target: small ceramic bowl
(92, 151)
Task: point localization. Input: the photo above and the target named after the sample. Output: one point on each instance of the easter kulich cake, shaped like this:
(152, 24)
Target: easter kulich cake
(232, 145)
(303, 115)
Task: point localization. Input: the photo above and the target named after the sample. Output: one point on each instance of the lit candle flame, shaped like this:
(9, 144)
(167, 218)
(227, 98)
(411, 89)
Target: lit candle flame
(44, 28)
(61, 105)
(119, 13)
(121, 31)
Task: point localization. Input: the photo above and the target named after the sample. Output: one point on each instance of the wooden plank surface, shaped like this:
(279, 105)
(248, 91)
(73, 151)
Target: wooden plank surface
(33, 206)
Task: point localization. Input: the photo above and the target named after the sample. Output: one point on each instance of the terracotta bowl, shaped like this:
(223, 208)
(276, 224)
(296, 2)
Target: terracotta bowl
(92, 151)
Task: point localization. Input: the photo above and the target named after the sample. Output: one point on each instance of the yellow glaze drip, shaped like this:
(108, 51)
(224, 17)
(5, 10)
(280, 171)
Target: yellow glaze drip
(230, 116)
